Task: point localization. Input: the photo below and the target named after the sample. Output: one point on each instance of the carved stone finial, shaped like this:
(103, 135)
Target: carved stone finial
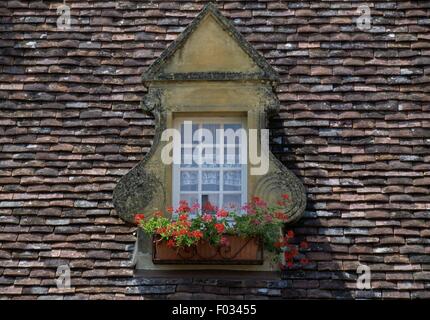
(151, 103)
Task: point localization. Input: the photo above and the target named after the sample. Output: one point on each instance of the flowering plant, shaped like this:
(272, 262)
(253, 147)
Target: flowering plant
(211, 224)
(290, 251)
(262, 221)
(182, 231)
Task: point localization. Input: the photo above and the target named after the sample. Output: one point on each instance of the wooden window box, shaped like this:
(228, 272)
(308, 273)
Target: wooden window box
(240, 251)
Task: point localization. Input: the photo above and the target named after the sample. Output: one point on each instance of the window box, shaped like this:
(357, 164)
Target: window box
(239, 251)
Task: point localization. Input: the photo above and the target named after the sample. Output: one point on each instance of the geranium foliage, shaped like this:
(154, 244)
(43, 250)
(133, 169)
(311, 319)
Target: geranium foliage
(187, 225)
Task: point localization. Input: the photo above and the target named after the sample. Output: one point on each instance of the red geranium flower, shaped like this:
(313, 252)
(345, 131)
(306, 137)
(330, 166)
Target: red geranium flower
(268, 218)
(256, 222)
(304, 261)
(259, 202)
(183, 207)
(222, 213)
(281, 216)
(290, 234)
(224, 242)
(161, 230)
(304, 245)
(183, 217)
(278, 244)
(171, 243)
(208, 207)
(195, 207)
(219, 227)
(293, 251)
(138, 218)
(249, 209)
(207, 218)
(285, 196)
(256, 199)
(197, 234)
(169, 209)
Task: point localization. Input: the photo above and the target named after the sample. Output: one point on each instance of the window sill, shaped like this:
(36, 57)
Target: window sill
(208, 274)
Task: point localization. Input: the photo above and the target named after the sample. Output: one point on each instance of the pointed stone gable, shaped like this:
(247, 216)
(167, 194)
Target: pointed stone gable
(210, 48)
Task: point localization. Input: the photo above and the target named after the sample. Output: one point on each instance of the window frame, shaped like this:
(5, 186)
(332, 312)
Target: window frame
(176, 169)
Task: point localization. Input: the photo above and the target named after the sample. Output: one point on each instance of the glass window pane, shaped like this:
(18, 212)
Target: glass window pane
(190, 198)
(232, 134)
(232, 181)
(190, 130)
(210, 203)
(210, 131)
(209, 152)
(210, 181)
(233, 145)
(231, 157)
(189, 180)
(187, 160)
(187, 139)
(232, 201)
(209, 157)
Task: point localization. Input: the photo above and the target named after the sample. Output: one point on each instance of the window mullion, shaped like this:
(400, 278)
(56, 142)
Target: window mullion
(200, 193)
(221, 173)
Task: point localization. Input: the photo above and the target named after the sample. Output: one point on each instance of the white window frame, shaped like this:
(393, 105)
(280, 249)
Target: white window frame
(176, 169)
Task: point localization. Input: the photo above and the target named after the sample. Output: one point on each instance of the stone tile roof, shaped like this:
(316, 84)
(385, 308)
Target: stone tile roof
(354, 125)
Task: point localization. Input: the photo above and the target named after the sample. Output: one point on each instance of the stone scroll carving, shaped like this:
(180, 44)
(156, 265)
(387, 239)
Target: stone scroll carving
(135, 191)
(282, 181)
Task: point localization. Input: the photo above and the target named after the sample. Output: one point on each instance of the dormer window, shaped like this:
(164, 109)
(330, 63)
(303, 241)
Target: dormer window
(212, 78)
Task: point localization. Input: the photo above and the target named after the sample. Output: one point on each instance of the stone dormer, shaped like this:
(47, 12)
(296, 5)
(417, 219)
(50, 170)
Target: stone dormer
(209, 71)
